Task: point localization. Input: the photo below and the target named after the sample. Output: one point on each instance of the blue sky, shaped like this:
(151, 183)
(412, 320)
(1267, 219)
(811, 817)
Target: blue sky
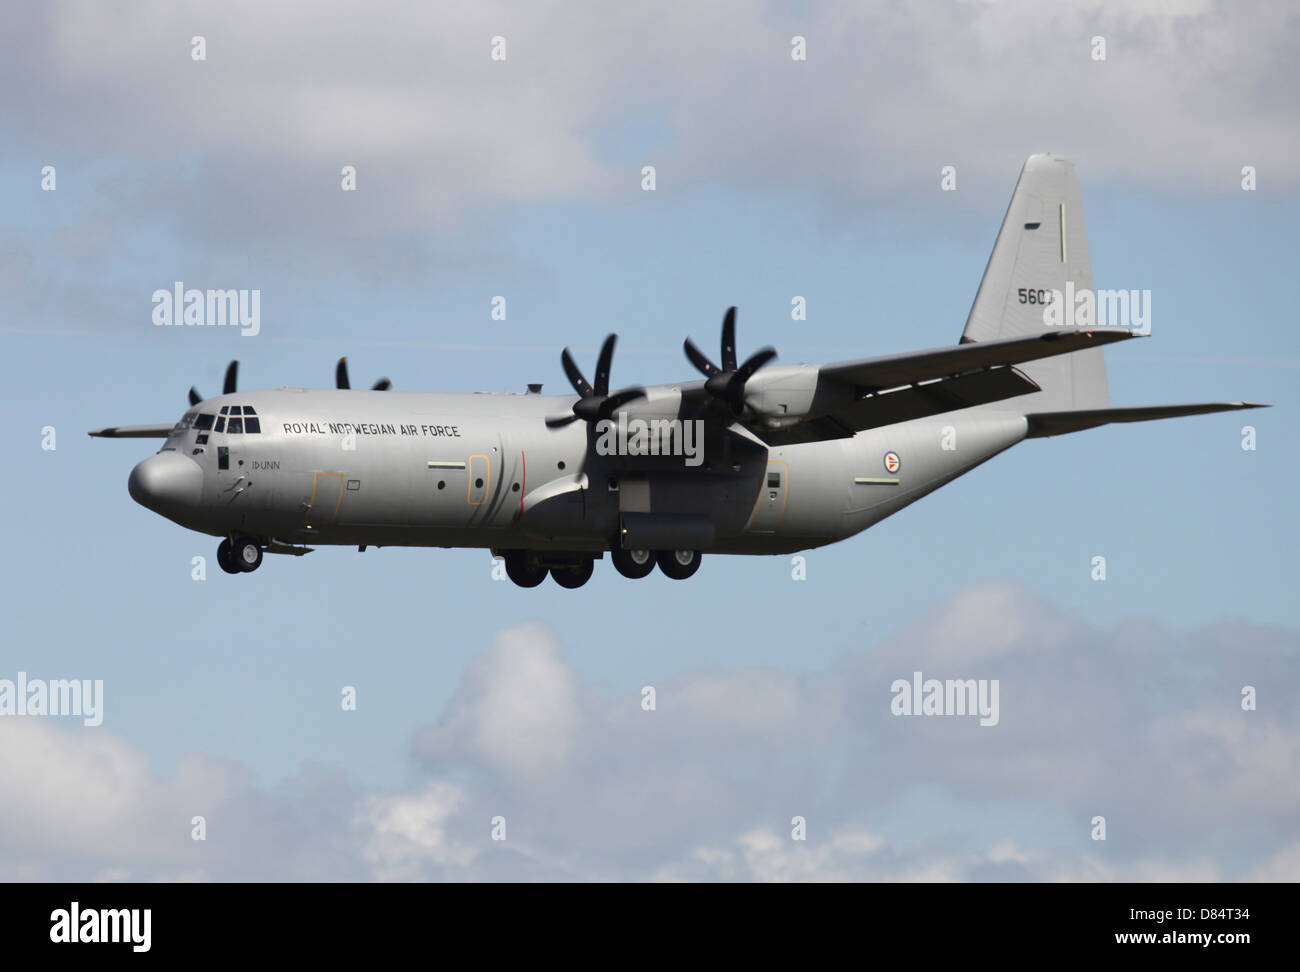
(1198, 534)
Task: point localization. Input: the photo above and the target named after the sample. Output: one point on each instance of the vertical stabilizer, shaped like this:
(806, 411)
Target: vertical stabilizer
(1043, 245)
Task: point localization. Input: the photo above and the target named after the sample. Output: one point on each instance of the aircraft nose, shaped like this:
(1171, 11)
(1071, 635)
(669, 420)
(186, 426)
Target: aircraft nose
(166, 483)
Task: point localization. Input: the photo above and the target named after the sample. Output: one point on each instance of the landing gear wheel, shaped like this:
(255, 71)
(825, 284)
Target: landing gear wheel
(575, 576)
(225, 560)
(246, 554)
(522, 571)
(632, 563)
(679, 564)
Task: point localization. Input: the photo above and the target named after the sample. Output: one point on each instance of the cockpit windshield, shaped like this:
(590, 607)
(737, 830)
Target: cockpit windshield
(233, 420)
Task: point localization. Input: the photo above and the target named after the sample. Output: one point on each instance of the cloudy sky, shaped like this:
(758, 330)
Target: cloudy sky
(775, 178)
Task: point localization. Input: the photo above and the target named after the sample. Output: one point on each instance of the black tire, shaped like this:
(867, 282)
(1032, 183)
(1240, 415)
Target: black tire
(524, 572)
(626, 561)
(225, 560)
(246, 554)
(575, 576)
(670, 562)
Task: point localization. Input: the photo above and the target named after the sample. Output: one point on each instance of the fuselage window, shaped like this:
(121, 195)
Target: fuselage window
(204, 422)
(236, 425)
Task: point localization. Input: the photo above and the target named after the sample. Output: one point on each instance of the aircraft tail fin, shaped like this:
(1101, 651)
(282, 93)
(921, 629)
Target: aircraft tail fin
(1042, 247)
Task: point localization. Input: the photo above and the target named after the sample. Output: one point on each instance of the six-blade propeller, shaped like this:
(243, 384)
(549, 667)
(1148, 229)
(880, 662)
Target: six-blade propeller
(594, 402)
(728, 382)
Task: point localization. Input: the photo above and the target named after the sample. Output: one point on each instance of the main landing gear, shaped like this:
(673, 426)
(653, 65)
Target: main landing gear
(677, 564)
(523, 570)
(529, 570)
(575, 576)
(632, 563)
(240, 556)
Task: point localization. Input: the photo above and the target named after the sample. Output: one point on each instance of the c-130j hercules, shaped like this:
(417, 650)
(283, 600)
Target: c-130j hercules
(788, 457)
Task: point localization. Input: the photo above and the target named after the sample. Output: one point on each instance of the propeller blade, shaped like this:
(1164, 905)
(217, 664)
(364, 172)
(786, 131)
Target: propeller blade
(228, 387)
(341, 374)
(728, 382)
(617, 400)
(754, 362)
(698, 358)
(578, 382)
(195, 397)
(593, 403)
(603, 364)
(383, 384)
(729, 340)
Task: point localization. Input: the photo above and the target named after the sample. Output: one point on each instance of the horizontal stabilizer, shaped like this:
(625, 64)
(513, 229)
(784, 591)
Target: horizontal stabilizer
(1060, 423)
(134, 431)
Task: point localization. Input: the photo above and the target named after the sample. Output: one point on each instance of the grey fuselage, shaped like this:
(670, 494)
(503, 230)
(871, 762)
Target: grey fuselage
(484, 470)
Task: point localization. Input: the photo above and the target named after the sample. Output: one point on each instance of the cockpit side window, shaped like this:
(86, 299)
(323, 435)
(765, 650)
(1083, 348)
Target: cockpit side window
(221, 424)
(204, 422)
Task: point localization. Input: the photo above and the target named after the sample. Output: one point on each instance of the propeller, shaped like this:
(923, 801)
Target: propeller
(594, 402)
(341, 378)
(728, 382)
(228, 385)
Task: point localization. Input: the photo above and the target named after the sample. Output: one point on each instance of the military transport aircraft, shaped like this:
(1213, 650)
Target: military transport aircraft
(754, 459)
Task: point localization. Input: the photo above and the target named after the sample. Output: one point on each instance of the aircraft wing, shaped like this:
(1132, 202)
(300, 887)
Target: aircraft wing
(900, 405)
(853, 396)
(134, 431)
(874, 374)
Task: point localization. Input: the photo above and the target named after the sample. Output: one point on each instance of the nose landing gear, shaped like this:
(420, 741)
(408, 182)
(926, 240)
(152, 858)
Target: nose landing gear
(242, 556)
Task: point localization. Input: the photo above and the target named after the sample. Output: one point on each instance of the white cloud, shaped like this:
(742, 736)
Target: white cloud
(406, 833)
(588, 94)
(517, 710)
(705, 787)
